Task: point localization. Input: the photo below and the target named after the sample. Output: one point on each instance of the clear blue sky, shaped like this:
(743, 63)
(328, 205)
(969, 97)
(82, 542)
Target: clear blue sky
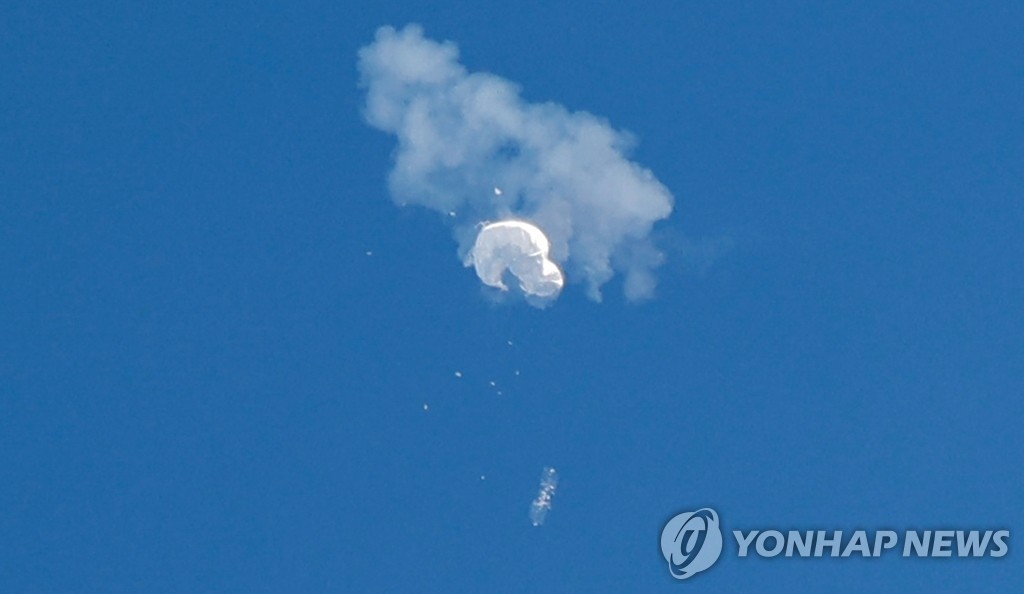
(207, 386)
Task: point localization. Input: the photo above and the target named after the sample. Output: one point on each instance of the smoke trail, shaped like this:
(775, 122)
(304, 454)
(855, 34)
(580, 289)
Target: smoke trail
(540, 506)
(462, 135)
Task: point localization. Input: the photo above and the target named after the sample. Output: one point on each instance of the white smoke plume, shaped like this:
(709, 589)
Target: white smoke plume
(463, 135)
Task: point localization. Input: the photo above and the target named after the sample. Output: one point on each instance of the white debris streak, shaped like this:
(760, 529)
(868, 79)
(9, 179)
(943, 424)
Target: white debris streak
(542, 504)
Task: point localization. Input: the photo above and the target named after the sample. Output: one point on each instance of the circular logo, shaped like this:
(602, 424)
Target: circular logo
(691, 542)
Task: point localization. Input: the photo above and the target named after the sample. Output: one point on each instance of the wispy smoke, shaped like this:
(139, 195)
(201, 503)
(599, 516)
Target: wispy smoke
(461, 135)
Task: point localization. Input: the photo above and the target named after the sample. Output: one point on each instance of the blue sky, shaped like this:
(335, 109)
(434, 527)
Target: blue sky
(206, 385)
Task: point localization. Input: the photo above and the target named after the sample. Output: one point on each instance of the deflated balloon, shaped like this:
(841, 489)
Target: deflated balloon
(521, 249)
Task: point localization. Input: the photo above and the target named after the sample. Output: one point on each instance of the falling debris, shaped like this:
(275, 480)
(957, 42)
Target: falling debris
(483, 478)
(451, 213)
(520, 248)
(509, 342)
(517, 372)
(426, 406)
(493, 383)
(369, 253)
(458, 374)
(497, 191)
(540, 506)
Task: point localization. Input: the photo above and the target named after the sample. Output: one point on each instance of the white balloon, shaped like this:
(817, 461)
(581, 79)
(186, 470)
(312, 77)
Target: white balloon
(523, 250)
